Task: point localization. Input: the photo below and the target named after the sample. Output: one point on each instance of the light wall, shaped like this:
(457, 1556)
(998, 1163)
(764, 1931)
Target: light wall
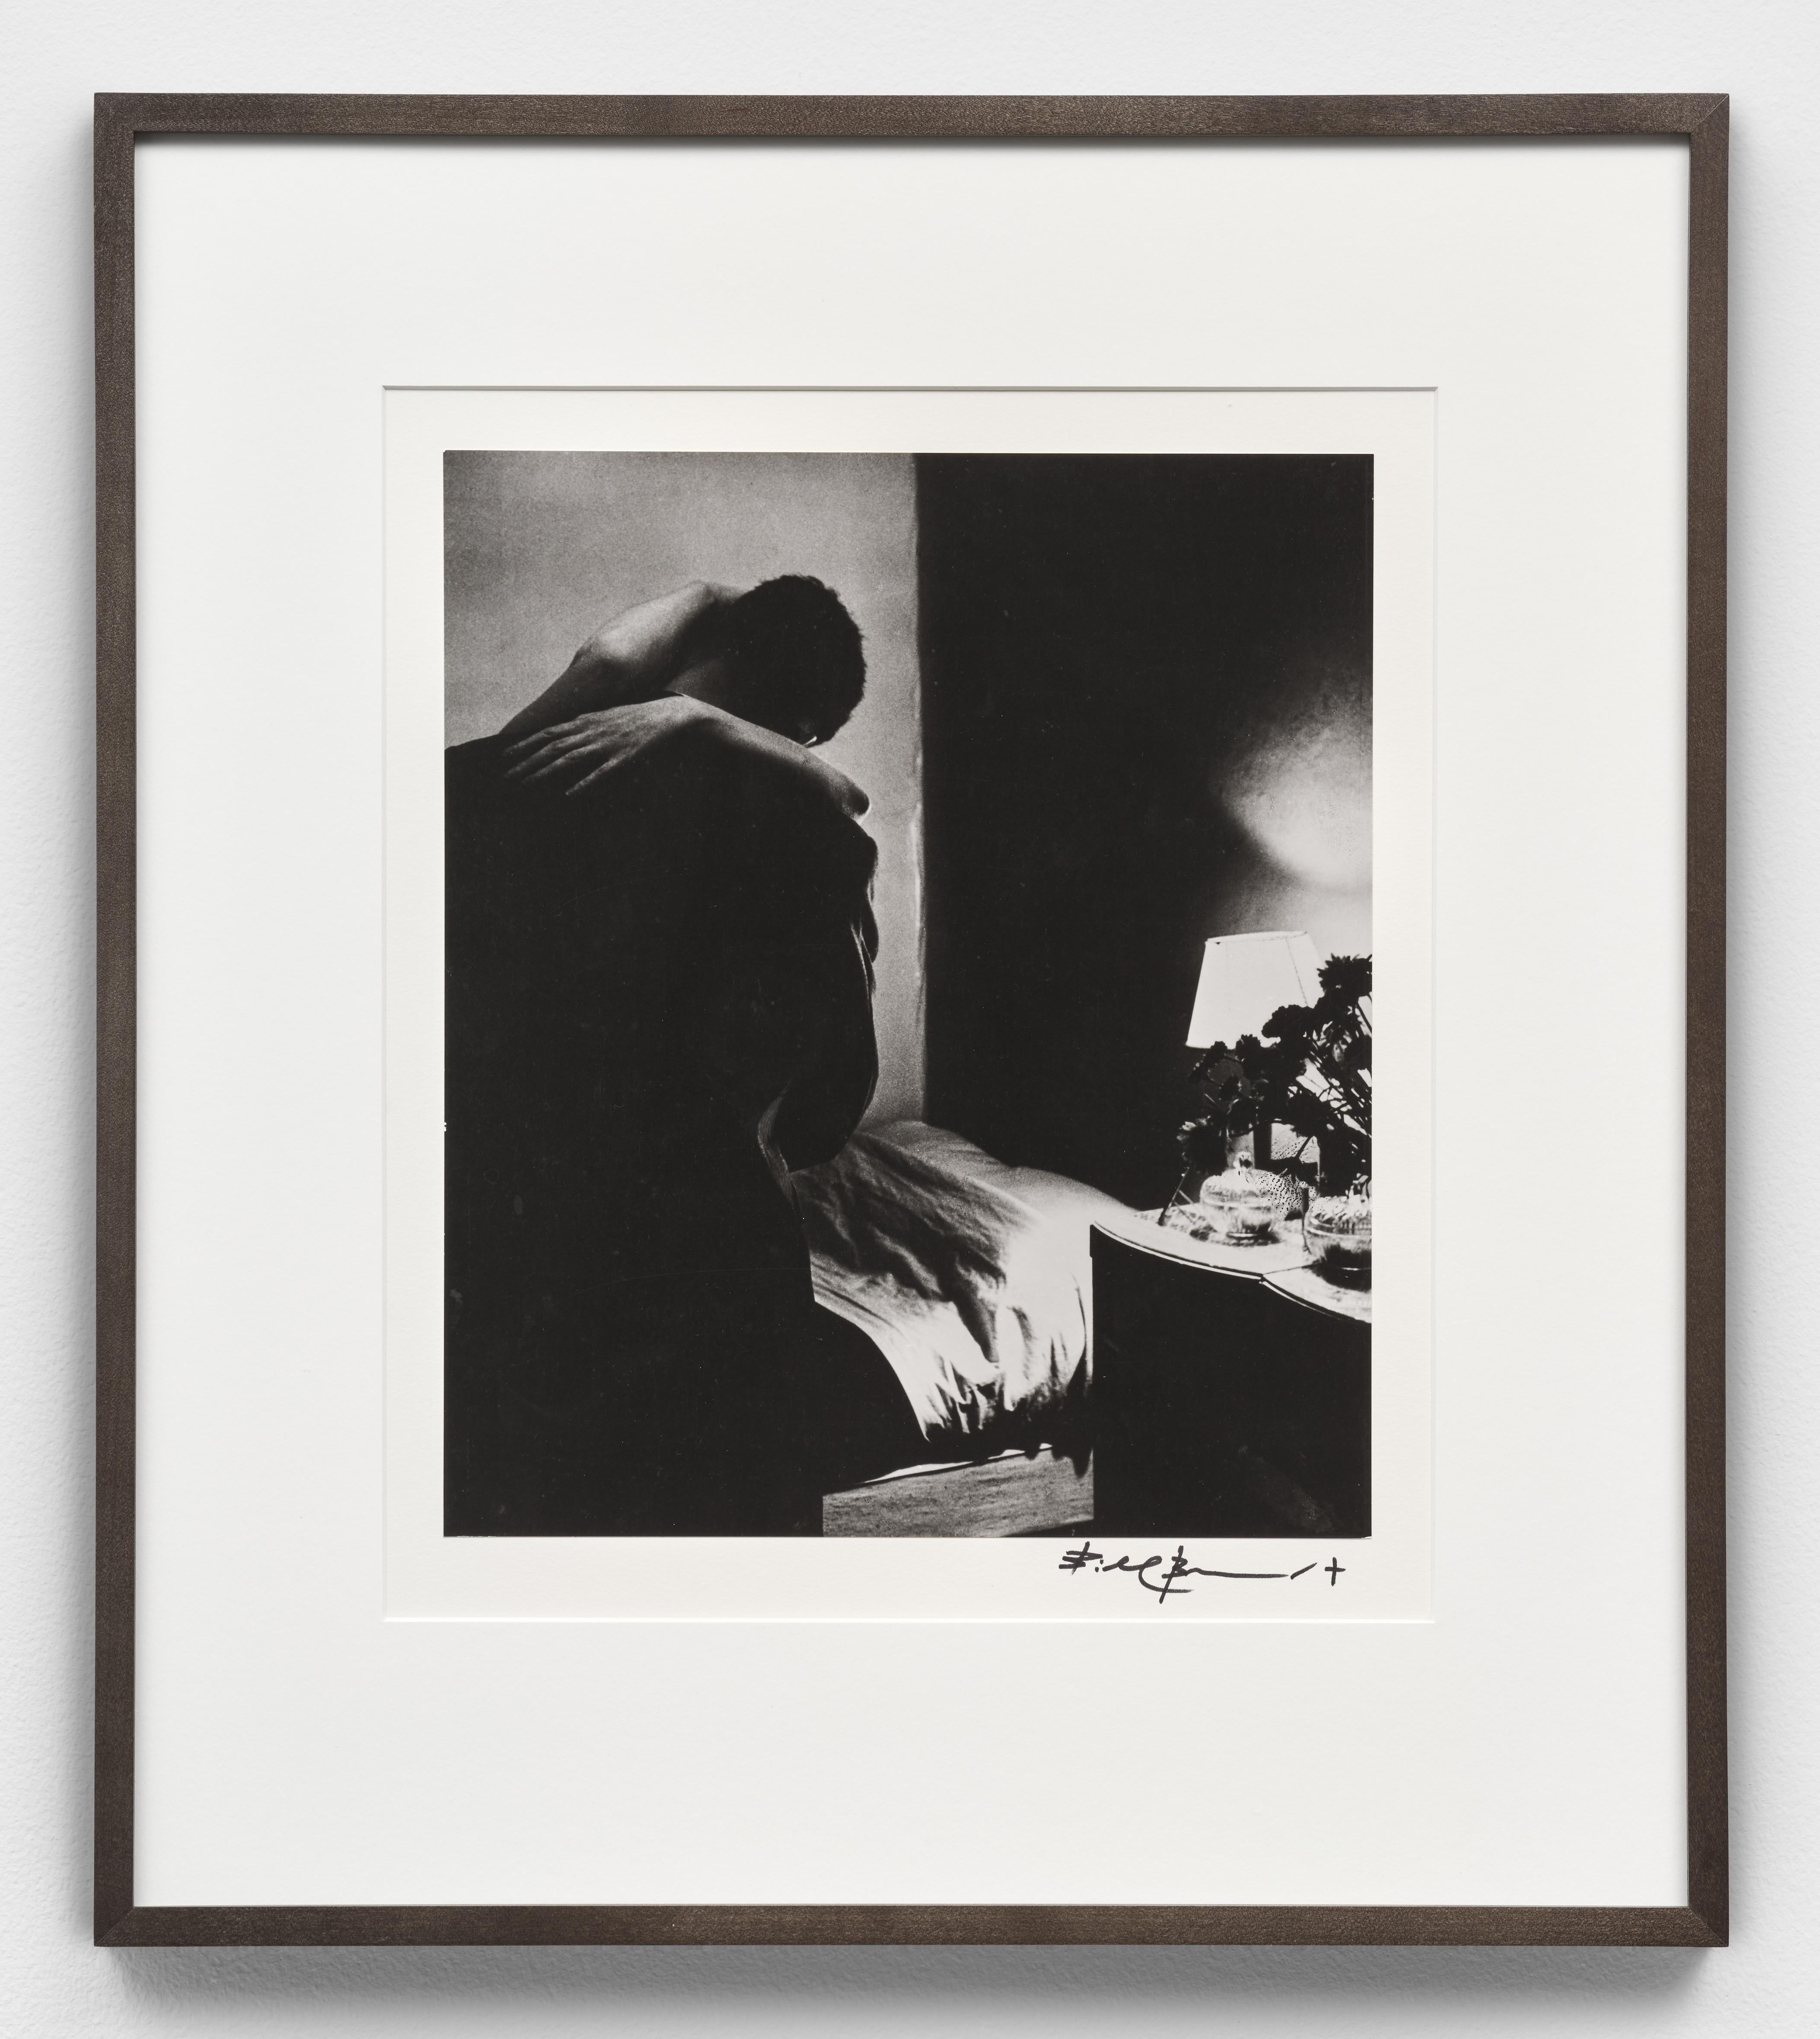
(543, 547)
(1299, 787)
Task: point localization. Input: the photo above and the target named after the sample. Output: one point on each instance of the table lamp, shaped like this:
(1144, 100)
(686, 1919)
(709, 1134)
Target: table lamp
(1245, 978)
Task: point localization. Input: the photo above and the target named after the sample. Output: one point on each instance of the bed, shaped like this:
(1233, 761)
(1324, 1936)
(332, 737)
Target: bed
(973, 1278)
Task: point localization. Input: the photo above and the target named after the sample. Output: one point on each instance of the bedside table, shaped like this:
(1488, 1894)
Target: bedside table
(1229, 1399)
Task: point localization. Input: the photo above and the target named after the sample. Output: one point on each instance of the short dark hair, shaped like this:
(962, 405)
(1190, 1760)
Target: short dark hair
(798, 655)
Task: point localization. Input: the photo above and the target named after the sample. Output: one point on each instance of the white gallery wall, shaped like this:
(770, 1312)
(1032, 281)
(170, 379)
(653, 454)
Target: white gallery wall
(1767, 54)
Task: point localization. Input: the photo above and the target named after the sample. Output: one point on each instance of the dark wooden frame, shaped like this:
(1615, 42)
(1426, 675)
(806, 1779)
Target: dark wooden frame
(1702, 120)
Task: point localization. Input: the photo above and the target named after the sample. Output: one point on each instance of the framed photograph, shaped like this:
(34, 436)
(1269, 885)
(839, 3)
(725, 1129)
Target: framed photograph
(776, 779)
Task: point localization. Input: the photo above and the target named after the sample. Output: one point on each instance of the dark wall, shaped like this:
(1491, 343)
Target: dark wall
(1100, 635)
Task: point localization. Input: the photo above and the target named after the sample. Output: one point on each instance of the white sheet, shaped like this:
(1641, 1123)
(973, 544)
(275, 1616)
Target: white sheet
(971, 1276)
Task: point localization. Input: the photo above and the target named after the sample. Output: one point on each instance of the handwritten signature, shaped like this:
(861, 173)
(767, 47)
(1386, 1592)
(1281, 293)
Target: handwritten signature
(1176, 1568)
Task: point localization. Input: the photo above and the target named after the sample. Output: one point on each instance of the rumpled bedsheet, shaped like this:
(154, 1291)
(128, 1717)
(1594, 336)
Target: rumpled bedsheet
(972, 1277)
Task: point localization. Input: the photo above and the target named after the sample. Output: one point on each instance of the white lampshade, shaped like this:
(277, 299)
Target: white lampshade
(1244, 978)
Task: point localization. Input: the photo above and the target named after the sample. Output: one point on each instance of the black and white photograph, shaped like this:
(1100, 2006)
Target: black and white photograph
(801, 835)
(908, 996)
(807, 812)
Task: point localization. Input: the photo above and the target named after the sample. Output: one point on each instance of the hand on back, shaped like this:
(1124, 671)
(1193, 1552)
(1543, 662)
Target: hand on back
(576, 755)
